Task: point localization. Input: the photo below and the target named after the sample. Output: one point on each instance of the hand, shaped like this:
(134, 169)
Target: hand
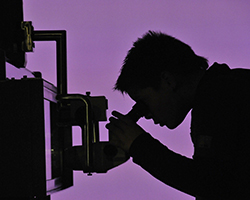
(123, 131)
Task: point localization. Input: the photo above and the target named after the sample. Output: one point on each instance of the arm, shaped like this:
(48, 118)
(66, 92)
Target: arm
(167, 166)
(224, 173)
(149, 153)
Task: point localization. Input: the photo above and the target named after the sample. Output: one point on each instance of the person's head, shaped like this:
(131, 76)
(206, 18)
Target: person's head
(157, 70)
(153, 54)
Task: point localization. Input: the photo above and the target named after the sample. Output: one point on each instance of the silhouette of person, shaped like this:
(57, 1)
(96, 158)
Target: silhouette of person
(166, 75)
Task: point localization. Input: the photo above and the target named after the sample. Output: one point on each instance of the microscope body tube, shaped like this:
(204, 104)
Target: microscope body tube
(104, 155)
(138, 110)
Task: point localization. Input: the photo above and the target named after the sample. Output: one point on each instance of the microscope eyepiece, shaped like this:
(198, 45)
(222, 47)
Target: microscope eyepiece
(138, 110)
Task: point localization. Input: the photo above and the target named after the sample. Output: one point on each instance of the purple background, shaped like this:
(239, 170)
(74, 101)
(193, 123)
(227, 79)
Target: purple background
(99, 33)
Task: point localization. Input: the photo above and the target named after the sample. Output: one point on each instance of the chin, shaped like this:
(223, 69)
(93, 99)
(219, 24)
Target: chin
(173, 125)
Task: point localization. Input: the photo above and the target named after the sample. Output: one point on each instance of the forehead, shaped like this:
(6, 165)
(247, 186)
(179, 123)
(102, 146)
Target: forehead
(139, 94)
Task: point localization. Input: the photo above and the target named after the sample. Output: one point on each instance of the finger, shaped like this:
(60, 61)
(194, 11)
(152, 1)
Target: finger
(115, 128)
(113, 119)
(122, 117)
(111, 126)
(117, 114)
(116, 133)
(107, 126)
(114, 136)
(115, 122)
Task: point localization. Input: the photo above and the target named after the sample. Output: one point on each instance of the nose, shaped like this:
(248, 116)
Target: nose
(148, 116)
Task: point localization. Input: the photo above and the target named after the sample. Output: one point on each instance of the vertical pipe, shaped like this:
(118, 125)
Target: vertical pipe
(61, 63)
(2, 66)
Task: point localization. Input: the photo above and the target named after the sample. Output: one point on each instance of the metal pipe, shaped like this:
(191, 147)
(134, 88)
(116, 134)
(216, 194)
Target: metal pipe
(61, 55)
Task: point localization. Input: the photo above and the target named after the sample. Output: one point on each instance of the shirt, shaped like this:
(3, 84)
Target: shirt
(220, 132)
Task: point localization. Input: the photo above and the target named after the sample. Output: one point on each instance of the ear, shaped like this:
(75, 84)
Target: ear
(168, 80)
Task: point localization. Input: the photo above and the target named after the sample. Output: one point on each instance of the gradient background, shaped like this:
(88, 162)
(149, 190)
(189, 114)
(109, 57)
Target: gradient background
(99, 33)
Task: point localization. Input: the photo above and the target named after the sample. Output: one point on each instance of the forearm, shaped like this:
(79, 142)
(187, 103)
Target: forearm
(198, 178)
(165, 165)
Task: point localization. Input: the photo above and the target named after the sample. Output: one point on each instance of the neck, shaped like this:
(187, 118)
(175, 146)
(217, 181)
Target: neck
(195, 85)
(189, 87)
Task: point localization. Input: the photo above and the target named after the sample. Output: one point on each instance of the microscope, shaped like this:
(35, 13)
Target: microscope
(37, 155)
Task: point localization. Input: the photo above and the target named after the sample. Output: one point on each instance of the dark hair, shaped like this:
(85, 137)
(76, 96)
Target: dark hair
(152, 54)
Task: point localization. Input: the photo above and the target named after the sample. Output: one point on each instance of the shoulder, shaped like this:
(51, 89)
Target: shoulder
(221, 104)
(222, 86)
(221, 111)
